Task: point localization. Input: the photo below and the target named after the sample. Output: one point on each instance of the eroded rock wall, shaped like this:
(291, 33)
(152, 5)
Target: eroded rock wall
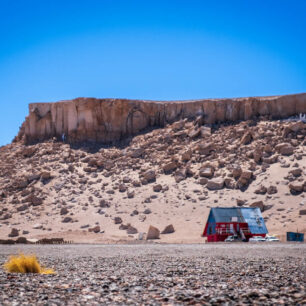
(108, 120)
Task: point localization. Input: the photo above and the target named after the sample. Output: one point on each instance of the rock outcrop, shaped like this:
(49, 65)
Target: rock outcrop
(109, 120)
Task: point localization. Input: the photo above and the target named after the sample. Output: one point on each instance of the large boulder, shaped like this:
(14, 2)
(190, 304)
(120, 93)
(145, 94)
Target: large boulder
(150, 176)
(131, 230)
(207, 171)
(169, 229)
(153, 233)
(169, 167)
(258, 204)
(246, 138)
(284, 149)
(296, 187)
(215, 184)
(14, 232)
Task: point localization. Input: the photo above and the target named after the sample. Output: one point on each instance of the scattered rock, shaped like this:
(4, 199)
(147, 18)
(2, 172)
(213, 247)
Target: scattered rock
(96, 229)
(261, 190)
(131, 230)
(258, 204)
(150, 176)
(157, 188)
(272, 190)
(64, 211)
(169, 167)
(67, 220)
(117, 220)
(246, 138)
(169, 229)
(153, 233)
(215, 184)
(14, 232)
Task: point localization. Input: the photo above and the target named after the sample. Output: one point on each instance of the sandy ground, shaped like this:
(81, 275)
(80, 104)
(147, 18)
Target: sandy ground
(150, 274)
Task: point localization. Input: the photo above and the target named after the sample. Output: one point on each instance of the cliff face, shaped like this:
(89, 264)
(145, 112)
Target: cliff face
(107, 120)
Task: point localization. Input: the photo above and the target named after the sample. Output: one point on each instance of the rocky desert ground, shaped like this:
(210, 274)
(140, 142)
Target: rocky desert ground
(160, 274)
(167, 178)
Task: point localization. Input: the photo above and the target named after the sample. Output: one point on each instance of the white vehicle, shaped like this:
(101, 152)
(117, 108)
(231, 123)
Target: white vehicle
(271, 239)
(257, 239)
(230, 239)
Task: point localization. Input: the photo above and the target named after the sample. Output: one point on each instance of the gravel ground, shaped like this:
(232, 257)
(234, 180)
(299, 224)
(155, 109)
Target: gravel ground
(155, 274)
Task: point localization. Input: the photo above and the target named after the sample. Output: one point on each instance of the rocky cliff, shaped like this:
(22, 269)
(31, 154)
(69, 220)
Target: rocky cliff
(108, 120)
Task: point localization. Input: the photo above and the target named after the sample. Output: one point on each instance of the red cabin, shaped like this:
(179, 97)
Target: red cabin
(242, 222)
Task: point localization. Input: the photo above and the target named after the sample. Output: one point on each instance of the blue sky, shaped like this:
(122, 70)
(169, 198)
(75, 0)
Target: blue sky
(52, 50)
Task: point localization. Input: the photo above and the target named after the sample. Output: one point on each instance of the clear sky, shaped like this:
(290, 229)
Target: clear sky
(59, 49)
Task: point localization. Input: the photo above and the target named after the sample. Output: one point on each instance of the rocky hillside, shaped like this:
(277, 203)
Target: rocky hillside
(167, 177)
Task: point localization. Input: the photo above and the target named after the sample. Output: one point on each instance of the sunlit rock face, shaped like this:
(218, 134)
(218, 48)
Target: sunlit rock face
(109, 120)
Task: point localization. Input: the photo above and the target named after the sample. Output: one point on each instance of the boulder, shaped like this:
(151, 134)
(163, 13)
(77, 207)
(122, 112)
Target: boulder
(147, 211)
(268, 148)
(272, 189)
(302, 212)
(14, 232)
(64, 211)
(205, 131)
(296, 187)
(258, 204)
(157, 188)
(29, 151)
(246, 138)
(186, 156)
(194, 133)
(203, 181)
(67, 220)
(22, 207)
(257, 154)
(284, 149)
(207, 171)
(34, 200)
(229, 183)
(117, 220)
(22, 240)
(236, 171)
(137, 152)
(96, 229)
(122, 188)
(215, 184)
(153, 233)
(246, 174)
(261, 190)
(296, 172)
(46, 175)
(297, 126)
(169, 167)
(131, 230)
(150, 176)
(169, 229)
(131, 194)
(205, 148)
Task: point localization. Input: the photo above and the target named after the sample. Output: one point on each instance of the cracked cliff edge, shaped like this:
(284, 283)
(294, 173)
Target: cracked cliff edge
(109, 120)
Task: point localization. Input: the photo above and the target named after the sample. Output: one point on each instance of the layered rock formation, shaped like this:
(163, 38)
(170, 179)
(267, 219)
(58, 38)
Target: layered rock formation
(109, 120)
